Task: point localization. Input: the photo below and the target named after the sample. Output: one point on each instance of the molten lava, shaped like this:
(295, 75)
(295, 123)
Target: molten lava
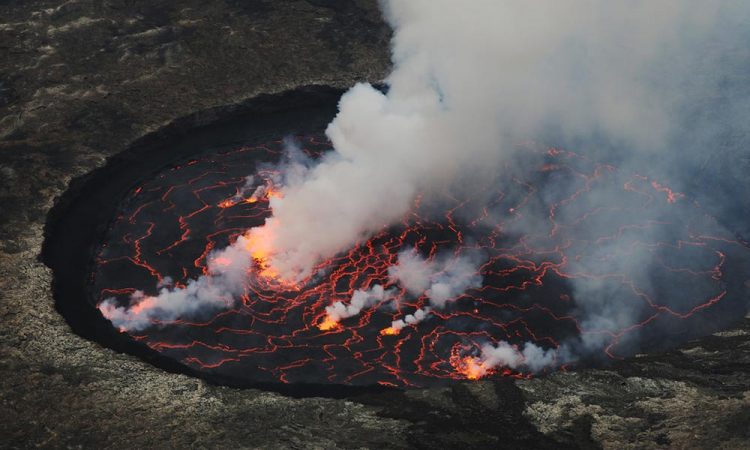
(390, 331)
(328, 324)
(259, 243)
(472, 368)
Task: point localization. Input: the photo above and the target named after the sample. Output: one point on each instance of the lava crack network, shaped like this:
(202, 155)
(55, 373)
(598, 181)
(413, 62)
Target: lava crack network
(532, 272)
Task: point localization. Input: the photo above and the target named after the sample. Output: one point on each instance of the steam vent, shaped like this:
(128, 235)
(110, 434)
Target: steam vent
(361, 224)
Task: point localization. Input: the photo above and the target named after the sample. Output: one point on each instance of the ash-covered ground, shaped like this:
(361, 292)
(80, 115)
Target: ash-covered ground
(82, 81)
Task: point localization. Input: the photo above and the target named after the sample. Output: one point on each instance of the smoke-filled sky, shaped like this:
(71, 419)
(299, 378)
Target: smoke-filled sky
(472, 79)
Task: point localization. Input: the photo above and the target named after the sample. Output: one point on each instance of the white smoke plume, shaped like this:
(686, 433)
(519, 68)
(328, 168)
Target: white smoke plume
(411, 319)
(361, 299)
(502, 354)
(468, 79)
(441, 279)
(218, 289)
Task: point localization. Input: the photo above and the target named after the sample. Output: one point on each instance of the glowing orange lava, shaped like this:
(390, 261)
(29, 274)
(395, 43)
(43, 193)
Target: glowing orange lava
(472, 368)
(272, 192)
(328, 324)
(390, 331)
(259, 243)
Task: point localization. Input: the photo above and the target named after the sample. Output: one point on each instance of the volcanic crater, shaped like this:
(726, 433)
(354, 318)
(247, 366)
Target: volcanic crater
(153, 216)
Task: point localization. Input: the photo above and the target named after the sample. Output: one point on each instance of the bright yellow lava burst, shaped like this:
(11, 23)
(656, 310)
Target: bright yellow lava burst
(390, 331)
(328, 324)
(473, 368)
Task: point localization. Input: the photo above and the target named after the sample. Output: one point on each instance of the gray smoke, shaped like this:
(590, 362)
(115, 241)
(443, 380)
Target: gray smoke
(441, 279)
(412, 319)
(473, 78)
(469, 81)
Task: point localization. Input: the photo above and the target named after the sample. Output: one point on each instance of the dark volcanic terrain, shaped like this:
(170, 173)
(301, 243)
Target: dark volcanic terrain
(81, 81)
